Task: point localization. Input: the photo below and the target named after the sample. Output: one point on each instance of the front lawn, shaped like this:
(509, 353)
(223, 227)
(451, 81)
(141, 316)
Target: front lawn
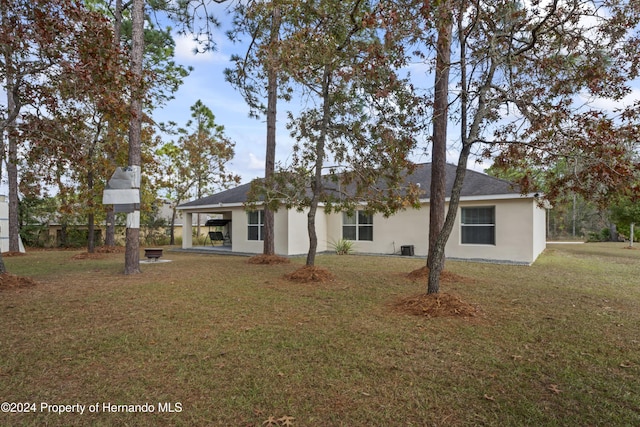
(209, 340)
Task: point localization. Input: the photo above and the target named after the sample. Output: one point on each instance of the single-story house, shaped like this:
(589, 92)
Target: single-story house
(494, 223)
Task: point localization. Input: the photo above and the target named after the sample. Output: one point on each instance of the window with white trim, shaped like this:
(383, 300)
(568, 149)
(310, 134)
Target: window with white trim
(358, 226)
(255, 221)
(478, 225)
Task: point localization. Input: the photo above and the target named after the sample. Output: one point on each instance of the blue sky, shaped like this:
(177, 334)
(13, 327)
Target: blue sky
(207, 83)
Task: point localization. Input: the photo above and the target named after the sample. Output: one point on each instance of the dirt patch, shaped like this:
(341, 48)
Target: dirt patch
(445, 276)
(310, 274)
(12, 254)
(268, 260)
(11, 281)
(87, 255)
(436, 305)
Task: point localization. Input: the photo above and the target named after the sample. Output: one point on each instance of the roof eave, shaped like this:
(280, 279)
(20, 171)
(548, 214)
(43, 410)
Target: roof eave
(214, 206)
(485, 197)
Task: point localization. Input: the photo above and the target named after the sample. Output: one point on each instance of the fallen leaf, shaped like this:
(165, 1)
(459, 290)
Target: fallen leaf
(287, 420)
(554, 388)
(271, 421)
(491, 398)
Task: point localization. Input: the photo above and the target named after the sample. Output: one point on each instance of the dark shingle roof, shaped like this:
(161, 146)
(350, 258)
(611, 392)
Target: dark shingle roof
(475, 184)
(233, 195)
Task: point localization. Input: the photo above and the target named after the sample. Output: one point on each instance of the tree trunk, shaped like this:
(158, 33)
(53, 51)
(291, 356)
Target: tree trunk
(132, 251)
(317, 186)
(91, 233)
(445, 232)
(110, 236)
(12, 161)
(172, 234)
(63, 235)
(91, 228)
(270, 157)
(10, 114)
(311, 229)
(12, 175)
(437, 198)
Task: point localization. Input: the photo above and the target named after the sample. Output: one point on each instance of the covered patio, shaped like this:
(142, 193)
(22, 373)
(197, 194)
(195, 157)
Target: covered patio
(219, 233)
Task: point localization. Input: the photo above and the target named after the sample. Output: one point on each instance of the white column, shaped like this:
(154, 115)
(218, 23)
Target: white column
(187, 231)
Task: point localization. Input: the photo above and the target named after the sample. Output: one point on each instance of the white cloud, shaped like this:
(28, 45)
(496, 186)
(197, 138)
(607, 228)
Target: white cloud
(611, 105)
(187, 46)
(254, 163)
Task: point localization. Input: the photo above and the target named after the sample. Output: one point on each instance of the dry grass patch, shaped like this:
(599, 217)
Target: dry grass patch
(111, 249)
(445, 276)
(100, 252)
(555, 344)
(87, 255)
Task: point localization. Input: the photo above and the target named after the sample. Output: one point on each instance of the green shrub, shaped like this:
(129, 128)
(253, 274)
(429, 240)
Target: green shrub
(343, 247)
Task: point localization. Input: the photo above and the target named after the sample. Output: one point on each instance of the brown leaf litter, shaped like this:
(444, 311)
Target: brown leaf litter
(11, 282)
(268, 260)
(436, 305)
(12, 254)
(310, 274)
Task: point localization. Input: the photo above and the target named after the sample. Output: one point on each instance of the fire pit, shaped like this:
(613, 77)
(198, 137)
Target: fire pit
(153, 253)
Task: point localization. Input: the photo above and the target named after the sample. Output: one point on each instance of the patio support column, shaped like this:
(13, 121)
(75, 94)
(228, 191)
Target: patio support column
(187, 230)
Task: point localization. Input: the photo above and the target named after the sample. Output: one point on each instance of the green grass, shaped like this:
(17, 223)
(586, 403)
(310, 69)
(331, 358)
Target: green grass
(557, 343)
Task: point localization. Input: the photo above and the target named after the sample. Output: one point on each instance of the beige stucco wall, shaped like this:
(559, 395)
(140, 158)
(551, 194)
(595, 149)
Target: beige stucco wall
(514, 233)
(389, 234)
(240, 242)
(540, 230)
(239, 225)
(291, 236)
(297, 234)
(520, 232)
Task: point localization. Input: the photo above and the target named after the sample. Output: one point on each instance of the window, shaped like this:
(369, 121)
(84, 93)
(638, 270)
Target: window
(479, 225)
(358, 226)
(255, 220)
